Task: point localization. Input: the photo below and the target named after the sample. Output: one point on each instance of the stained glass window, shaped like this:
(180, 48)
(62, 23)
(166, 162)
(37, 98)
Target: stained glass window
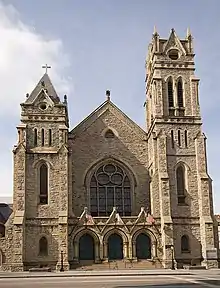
(110, 187)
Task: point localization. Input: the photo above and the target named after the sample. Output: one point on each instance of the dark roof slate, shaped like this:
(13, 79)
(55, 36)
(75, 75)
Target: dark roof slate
(5, 212)
(44, 83)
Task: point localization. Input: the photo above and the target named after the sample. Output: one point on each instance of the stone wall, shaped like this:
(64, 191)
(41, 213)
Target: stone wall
(91, 148)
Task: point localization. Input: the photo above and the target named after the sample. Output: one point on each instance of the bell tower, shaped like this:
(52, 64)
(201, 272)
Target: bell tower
(181, 186)
(41, 178)
(171, 85)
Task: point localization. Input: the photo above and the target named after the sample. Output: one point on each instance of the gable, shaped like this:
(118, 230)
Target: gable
(104, 109)
(174, 42)
(43, 97)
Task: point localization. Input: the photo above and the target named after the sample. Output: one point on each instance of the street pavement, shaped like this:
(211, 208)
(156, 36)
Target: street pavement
(172, 279)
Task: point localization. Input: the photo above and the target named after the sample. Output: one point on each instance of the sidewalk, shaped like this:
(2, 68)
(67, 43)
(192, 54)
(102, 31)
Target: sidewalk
(76, 273)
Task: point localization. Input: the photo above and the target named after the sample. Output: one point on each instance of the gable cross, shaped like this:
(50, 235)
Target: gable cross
(46, 67)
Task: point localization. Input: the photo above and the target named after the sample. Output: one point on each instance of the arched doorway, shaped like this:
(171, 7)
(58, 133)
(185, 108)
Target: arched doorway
(86, 247)
(143, 246)
(115, 247)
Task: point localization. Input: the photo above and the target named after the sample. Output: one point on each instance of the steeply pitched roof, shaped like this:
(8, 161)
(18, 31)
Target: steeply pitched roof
(5, 212)
(107, 105)
(44, 84)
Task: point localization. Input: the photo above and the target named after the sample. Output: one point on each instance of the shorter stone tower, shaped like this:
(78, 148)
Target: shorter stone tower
(40, 201)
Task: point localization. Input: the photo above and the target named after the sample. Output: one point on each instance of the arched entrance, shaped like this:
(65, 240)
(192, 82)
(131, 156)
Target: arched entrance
(115, 247)
(143, 246)
(86, 247)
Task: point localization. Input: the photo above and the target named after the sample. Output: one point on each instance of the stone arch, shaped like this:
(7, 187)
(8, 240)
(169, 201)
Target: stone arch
(120, 233)
(76, 243)
(109, 128)
(167, 78)
(153, 241)
(39, 162)
(82, 231)
(108, 159)
(186, 166)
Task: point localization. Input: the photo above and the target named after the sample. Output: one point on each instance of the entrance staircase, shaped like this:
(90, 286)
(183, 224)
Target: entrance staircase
(89, 265)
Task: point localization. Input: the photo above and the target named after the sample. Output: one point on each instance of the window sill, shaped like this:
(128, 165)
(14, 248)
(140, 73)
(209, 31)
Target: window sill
(186, 252)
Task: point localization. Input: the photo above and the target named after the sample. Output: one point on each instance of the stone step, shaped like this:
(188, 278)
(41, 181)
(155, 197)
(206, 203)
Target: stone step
(119, 264)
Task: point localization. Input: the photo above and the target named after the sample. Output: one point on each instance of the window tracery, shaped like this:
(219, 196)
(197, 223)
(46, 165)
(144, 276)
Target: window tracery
(110, 187)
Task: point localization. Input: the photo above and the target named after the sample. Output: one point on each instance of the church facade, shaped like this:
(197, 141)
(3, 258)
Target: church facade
(107, 191)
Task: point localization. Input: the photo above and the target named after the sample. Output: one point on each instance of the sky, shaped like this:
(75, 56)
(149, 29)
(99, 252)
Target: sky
(95, 45)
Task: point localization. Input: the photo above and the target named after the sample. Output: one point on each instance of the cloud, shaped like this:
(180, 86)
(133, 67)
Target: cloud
(23, 51)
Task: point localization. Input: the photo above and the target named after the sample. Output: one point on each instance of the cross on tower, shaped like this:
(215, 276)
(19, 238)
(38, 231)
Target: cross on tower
(46, 67)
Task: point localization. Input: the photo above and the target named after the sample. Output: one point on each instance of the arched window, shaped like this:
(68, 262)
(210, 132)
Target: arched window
(43, 184)
(2, 230)
(43, 246)
(35, 137)
(110, 187)
(179, 137)
(170, 93)
(42, 137)
(186, 138)
(109, 134)
(50, 137)
(180, 178)
(172, 139)
(180, 93)
(185, 244)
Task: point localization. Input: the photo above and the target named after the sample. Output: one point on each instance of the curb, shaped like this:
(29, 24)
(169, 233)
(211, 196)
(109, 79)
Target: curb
(91, 275)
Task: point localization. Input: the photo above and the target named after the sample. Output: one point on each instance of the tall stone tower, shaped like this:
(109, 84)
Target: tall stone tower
(181, 194)
(41, 179)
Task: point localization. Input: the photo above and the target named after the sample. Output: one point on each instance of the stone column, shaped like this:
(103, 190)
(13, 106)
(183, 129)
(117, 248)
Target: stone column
(125, 250)
(105, 250)
(76, 251)
(101, 254)
(130, 248)
(153, 250)
(97, 257)
(134, 256)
